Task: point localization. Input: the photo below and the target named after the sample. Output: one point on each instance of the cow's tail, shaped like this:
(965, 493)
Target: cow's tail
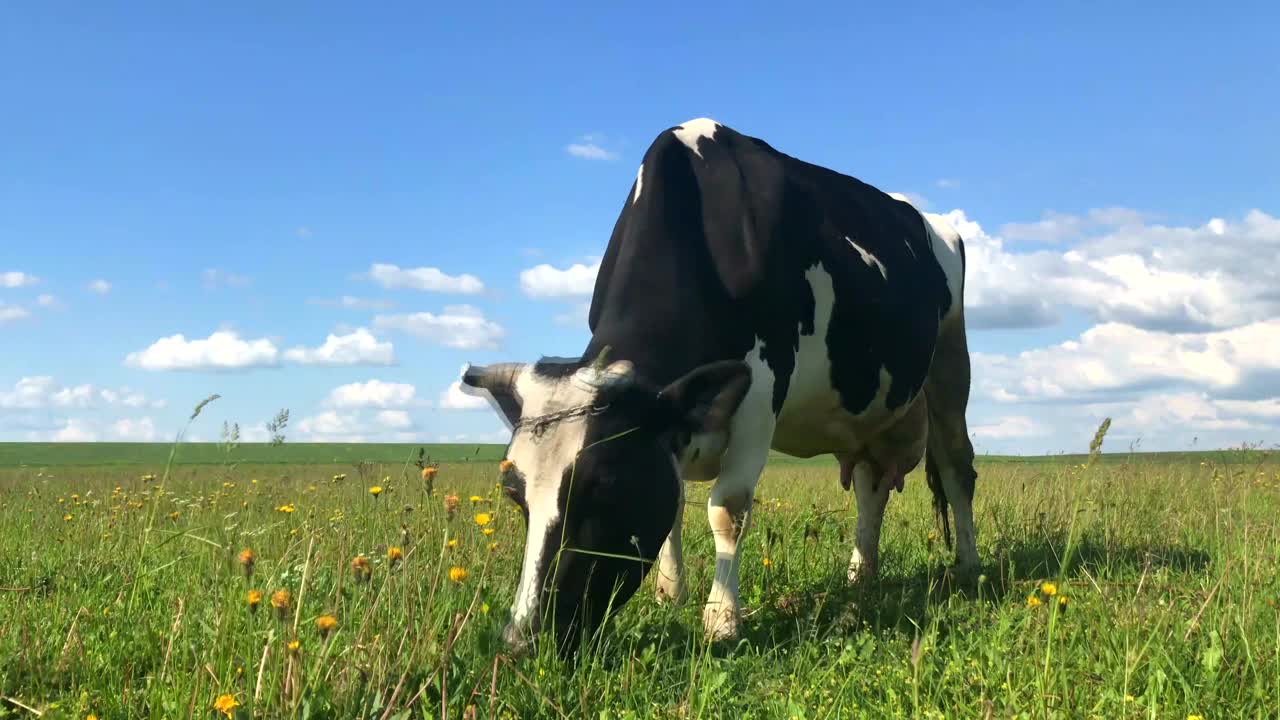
(940, 507)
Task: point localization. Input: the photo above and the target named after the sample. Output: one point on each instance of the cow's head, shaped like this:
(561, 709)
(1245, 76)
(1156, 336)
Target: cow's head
(593, 470)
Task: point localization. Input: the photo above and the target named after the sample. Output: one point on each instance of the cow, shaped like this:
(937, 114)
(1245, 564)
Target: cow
(747, 301)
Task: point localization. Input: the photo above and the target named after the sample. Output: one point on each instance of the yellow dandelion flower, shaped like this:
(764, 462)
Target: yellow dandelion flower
(90, 716)
(1062, 602)
(1033, 601)
(493, 546)
(226, 704)
(484, 608)
(286, 508)
(281, 600)
(174, 515)
(339, 477)
(1193, 716)
(457, 574)
(253, 598)
(360, 568)
(483, 519)
(487, 531)
(376, 490)
(293, 646)
(506, 465)
(453, 542)
(1049, 589)
(476, 499)
(394, 554)
(68, 517)
(767, 562)
(325, 624)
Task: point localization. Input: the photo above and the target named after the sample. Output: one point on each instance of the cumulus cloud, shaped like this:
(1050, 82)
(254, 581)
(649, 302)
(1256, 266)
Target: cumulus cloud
(223, 350)
(15, 279)
(354, 427)
(546, 281)
(359, 347)
(453, 398)
(372, 394)
(46, 300)
(1116, 357)
(42, 391)
(394, 419)
(74, 430)
(428, 279)
(459, 326)
(99, 286)
(590, 147)
(1122, 268)
(1016, 426)
(141, 430)
(9, 313)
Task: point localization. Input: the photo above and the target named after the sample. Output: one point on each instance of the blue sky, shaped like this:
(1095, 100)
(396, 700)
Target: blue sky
(231, 173)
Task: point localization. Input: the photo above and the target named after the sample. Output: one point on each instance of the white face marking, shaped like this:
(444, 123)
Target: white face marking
(639, 184)
(689, 133)
(542, 462)
(868, 258)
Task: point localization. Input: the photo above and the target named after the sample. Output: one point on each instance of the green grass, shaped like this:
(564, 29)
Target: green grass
(123, 610)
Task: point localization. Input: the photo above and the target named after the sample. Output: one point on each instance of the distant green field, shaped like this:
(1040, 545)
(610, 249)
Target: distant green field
(153, 454)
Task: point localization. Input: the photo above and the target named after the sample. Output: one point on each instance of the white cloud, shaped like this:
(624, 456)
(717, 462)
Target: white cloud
(354, 303)
(373, 393)
(99, 286)
(329, 422)
(74, 430)
(500, 437)
(587, 150)
(1016, 426)
(453, 398)
(359, 347)
(545, 281)
(1123, 269)
(394, 419)
(9, 313)
(215, 277)
(223, 350)
(14, 279)
(46, 300)
(1114, 357)
(142, 430)
(42, 391)
(458, 326)
(428, 279)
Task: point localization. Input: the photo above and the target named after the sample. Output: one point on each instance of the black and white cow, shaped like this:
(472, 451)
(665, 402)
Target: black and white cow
(747, 300)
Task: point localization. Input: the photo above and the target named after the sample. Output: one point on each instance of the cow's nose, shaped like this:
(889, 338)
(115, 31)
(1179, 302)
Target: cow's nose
(517, 643)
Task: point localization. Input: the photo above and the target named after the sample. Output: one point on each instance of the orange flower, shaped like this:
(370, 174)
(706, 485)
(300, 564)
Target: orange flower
(325, 624)
(360, 568)
(394, 554)
(428, 473)
(457, 574)
(506, 465)
(281, 600)
(254, 598)
(226, 704)
(247, 559)
(450, 504)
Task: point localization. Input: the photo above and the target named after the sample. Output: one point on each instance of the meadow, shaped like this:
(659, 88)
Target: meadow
(337, 582)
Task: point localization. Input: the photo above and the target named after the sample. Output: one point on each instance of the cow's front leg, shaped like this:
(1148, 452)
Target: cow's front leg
(729, 513)
(872, 494)
(670, 580)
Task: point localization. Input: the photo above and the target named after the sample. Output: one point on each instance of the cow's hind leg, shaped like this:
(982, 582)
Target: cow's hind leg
(872, 495)
(949, 460)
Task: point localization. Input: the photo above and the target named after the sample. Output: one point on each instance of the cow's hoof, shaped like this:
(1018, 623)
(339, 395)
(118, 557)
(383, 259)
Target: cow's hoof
(673, 594)
(861, 574)
(720, 623)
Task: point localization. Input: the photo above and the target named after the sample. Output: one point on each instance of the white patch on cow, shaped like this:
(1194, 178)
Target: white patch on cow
(945, 242)
(868, 258)
(635, 197)
(542, 462)
(903, 198)
(691, 132)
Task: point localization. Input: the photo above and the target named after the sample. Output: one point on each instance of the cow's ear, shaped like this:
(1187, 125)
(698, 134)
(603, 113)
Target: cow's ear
(497, 384)
(707, 397)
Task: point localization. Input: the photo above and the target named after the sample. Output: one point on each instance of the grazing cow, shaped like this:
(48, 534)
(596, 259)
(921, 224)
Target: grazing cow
(747, 300)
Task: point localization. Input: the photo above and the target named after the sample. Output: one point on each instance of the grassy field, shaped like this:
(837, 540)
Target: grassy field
(122, 594)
